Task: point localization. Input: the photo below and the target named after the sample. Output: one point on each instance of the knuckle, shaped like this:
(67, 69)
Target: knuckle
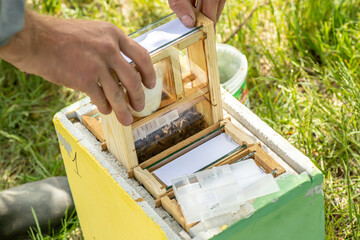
(92, 70)
(111, 28)
(175, 4)
(108, 46)
(118, 96)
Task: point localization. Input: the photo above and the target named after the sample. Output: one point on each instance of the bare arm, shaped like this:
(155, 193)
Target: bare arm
(83, 55)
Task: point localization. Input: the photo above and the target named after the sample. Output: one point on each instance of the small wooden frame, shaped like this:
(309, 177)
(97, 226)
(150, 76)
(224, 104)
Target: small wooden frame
(262, 159)
(201, 53)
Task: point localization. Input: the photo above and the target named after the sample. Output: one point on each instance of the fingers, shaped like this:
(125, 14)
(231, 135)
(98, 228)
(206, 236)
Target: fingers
(116, 97)
(131, 80)
(98, 98)
(141, 58)
(220, 9)
(184, 11)
(210, 9)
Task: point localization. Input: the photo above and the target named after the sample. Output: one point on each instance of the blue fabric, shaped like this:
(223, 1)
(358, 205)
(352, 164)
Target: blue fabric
(11, 19)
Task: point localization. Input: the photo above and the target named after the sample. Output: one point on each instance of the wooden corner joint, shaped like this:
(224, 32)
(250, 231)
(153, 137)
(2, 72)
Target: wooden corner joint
(174, 209)
(149, 182)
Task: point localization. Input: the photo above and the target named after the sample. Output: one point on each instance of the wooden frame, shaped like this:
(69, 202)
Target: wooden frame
(200, 46)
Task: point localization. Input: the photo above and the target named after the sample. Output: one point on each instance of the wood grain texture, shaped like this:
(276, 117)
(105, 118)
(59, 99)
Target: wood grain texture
(268, 163)
(236, 156)
(119, 141)
(197, 59)
(174, 209)
(176, 73)
(198, 66)
(236, 134)
(94, 127)
(151, 184)
(211, 65)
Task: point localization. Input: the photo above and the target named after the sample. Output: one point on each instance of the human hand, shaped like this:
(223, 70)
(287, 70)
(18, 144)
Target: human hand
(184, 9)
(84, 55)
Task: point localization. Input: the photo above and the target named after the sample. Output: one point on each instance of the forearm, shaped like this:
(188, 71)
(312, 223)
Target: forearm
(22, 45)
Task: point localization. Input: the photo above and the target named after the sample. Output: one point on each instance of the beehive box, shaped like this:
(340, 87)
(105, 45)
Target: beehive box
(117, 193)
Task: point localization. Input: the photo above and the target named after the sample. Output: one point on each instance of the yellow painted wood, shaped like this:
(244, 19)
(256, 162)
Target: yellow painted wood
(105, 209)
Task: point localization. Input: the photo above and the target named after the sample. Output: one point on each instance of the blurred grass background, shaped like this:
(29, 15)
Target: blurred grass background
(303, 79)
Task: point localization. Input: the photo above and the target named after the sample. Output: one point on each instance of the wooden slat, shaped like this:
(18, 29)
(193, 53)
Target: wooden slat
(171, 107)
(169, 83)
(150, 183)
(212, 67)
(176, 71)
(193, 38)
(119, 141)
(181, 44)
(173, 208)
(267, 162)
(236, 134)
(236, 156)
(197, 60)
(261, 158)
(94, 127)
(183, 151)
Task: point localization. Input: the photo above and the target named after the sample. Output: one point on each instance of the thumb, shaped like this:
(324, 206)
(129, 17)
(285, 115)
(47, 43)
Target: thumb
(184, 11)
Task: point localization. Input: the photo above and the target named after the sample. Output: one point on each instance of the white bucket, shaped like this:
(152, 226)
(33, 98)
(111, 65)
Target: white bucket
(233, 68)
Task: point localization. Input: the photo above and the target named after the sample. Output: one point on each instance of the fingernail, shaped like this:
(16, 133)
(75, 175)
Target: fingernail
(187, 20)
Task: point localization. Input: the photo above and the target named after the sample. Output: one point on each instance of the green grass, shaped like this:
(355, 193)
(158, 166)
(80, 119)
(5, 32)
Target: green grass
(304, 81)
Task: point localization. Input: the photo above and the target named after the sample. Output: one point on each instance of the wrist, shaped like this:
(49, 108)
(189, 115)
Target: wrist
(22, 46)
